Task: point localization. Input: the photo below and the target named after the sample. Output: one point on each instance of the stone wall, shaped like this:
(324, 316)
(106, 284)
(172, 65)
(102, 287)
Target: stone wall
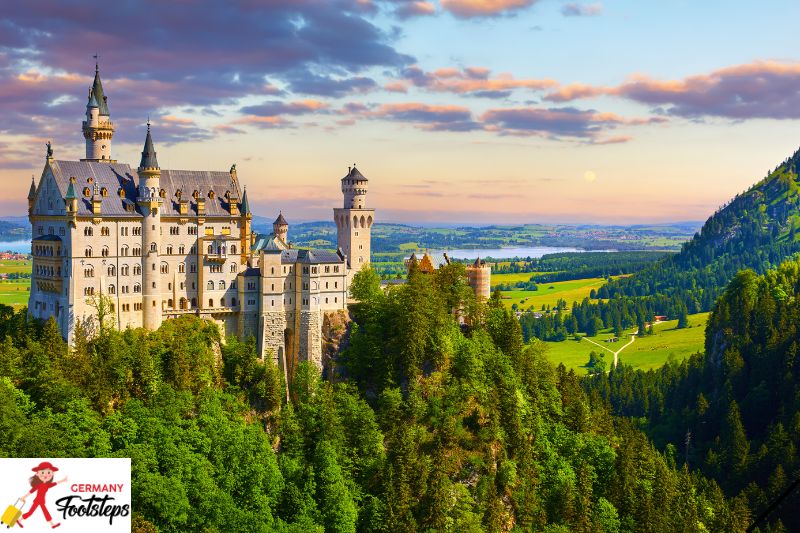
(310, 336)
(273, 324)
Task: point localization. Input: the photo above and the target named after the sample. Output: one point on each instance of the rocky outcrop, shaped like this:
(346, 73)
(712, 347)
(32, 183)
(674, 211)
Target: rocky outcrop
(335, 337)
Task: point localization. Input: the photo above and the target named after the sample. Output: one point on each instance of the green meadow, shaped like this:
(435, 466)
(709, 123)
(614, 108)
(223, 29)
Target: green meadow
(650, 351)
(14, 292)
(548, 293)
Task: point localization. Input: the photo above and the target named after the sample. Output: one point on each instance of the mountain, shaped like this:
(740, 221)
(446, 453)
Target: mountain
(758, 229)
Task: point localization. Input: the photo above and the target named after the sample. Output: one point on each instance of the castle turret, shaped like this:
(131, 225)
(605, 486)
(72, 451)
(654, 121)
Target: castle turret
(246, 230)
(280, 228)
(149, 201)
(31, 195)
(97, 128)
(71, 199)
(479, 275)
(354, 221)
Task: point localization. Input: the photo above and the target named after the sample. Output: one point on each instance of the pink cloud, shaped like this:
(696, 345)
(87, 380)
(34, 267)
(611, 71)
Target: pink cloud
(473, 81)
(484, 8)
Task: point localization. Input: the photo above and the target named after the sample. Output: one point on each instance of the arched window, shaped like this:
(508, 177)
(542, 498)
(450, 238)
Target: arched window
(104, 192)
(169, 250)
(137, 287)
(153, 247)
(88, 251)
(222, 285)
(137, 250)
(194, 302)
(88, 272)
(112, 271)
(104, 251)
(169, 303)
(233, 302)
(222, 302)
(112, 289)
(124, 250)
(137, 270)
(210, 249)
(183, 303)
(123, 270)
(164, 268)
(210, 285)
(233, 248)
(181, 267)
(104, 230)
(211, 302)
(234, 268)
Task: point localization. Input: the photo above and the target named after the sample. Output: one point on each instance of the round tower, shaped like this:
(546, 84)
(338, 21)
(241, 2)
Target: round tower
(149, 201)
(354, 222)
(98, 129)
(280, 228)
(354, 189)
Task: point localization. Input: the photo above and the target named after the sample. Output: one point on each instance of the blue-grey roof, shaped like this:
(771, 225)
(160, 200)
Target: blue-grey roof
(48, 238)
(294, 255)
(97, 93)
(268, 243)
(149, 152)
(116, 176)
(354, 174)
(250, 271)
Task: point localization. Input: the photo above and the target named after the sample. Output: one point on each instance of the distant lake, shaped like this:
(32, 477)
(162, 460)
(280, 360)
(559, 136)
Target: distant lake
(19, 247)
(505, 253)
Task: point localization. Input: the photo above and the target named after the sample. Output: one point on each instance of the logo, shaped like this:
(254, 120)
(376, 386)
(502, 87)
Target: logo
(72, 495)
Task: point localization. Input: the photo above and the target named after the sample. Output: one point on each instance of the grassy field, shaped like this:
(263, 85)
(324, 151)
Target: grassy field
(650, 351)
(550, 293)
(14, 292)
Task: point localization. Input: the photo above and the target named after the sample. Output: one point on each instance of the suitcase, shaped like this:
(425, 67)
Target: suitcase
(12, 514)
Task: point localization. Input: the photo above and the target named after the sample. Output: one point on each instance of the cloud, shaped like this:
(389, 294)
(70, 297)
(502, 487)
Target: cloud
(475, 81)
(574, 9)
(558, 123)
(276, 108)
(428, 117)
(484, 8)
(762, 89)
(406, 9)
(310, 83)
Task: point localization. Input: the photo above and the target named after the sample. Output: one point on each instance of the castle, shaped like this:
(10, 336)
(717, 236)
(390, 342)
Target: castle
(149, 244)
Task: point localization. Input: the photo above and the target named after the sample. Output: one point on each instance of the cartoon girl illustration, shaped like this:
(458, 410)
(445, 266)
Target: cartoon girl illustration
(41, 482)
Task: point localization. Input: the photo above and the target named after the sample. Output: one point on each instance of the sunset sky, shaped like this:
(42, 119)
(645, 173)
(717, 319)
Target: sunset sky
(458, 111)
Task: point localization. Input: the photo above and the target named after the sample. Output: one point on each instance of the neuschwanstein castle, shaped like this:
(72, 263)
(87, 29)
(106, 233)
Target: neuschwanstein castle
(157, 244)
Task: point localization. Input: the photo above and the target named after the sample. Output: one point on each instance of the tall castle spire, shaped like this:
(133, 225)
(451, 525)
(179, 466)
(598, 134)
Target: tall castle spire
(149, 160)
(98, 129)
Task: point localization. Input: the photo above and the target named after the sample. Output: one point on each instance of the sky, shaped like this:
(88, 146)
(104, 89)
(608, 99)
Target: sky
(457, 111)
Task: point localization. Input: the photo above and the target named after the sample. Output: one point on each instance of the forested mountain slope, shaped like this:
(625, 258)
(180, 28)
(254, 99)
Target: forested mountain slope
(740, 402)
(757, 229)
(426, 426)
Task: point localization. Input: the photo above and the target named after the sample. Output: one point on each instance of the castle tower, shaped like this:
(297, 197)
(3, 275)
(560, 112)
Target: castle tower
(149, 201)
(479, 275)
(31, 196)
(280, 228)
(354, 221)
(97, 128)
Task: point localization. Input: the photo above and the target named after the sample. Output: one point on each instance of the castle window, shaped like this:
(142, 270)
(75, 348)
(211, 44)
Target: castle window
(233, 302)
(193, 249)
(273, 286)
(121, 192)
(87, 192)
(335, 284)
(88, 291)
(162, 193)
(103, 192)
(326, 284)
(181, 249)
(169, 303)
(183, 303)
(273, 270)
(327, 269)
(88, 272)
(210, 249)
(104, 251)
(181, 268)
(164, 268)
(222, 285)
(195, 194)
(174, 230)
(137, 287)
(222, 302)
(137, 251)
(178, 194)
(137, 230)
(194, 302)
(88, 232)
(336, 268)
(123, 231)
(211, 302)
(137, 270)
(111, 289)
(123, 270)
(88, 251)
(210, 285)
(153, 247)
(124, 250)
(211, 194)
(326, 300)
(233, 248)
(233, 267)
(192, 268)
(334, 299)
(112, 271)
(169, 250)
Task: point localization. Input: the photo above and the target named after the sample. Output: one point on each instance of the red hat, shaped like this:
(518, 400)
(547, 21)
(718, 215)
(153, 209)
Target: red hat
(44, 466)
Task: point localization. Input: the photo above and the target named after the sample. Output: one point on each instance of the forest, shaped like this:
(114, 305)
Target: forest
(436, 417)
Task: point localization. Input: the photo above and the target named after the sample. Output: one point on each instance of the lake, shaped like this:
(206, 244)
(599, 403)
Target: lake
(505, 253)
